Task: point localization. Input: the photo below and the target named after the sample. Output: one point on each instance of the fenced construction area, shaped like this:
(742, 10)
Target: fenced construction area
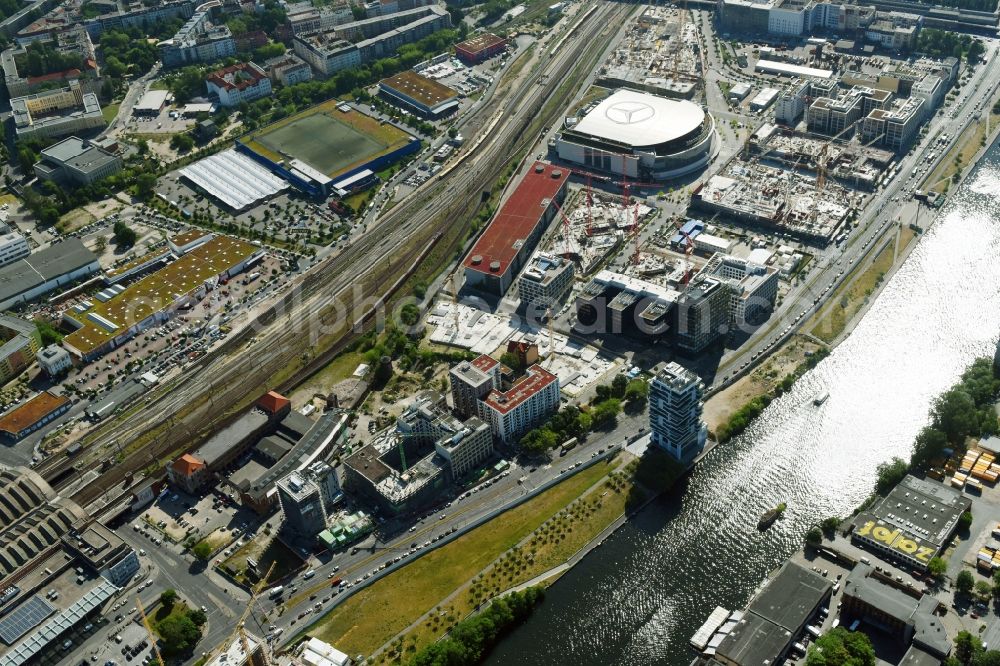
(327, 138)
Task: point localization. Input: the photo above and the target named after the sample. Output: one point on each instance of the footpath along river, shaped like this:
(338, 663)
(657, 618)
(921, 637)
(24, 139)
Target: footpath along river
(637, 599)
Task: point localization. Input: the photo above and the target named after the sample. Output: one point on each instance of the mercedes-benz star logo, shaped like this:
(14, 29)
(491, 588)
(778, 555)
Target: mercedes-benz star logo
(629, 113)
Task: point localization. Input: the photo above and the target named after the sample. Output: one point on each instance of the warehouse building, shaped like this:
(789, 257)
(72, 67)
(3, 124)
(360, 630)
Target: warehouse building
(21, 341)
(480, 48)
(641, 136)
(419, 94)
(56, 266)
(28, 417)
(779, 612)
(74, 161)
(913, 523)
(119, 314)
(233, 179)
(507, 243)
(151, 103)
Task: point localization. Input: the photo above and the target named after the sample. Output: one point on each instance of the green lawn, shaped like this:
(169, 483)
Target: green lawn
(162, 613)
(109, 112)
(382, 610)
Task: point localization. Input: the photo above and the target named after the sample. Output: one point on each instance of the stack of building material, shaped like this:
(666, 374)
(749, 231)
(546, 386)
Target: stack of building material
(958, 481)
(969, 461)
(983, 469)
(985, 559)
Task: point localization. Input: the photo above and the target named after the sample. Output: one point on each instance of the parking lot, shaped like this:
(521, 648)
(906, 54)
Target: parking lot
(178, 516)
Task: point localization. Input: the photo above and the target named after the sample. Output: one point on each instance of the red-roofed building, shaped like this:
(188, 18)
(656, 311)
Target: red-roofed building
(242, 82)
(479, 48)
(506, 245)
(528, 403)
(273, 403)
(188, 472)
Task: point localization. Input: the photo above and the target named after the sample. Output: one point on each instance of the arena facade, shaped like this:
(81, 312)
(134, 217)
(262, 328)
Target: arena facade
(641, 136)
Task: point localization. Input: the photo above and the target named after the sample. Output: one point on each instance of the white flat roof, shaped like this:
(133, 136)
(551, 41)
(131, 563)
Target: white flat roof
(641, 119)
(234, 179)
(152, 101)
(775, 67)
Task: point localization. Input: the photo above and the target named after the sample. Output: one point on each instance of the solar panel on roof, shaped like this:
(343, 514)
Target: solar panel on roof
(24, 618)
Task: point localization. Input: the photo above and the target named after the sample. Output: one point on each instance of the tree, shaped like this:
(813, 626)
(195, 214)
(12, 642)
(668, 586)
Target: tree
(929, 444)
(605, 414)
(182, 143)
(954, 413)
(966, 645)
(101, 243)
(512, 361)
(965, 520)
(618, 385)
(830, 525)
(180, 634)
(889, 474)
(168, 597)
(983, 590)
(986, 658)
(125, 237)
(409, 314)
(145, 184)
(198, 617)
(202, 550)
(48, 333)
(841, 647)
(814, 536)
(965, 582)
(937, 567)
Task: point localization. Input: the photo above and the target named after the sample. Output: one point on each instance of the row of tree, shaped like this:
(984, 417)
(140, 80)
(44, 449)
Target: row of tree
(472, 639)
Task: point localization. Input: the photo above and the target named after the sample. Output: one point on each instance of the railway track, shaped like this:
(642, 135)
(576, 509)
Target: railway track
(200, 398)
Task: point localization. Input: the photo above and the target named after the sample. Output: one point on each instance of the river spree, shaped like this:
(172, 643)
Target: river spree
(639, 598)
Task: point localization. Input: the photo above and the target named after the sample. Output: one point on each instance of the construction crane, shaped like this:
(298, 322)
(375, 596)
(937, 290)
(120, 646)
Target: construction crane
(821, 156)
(149, 630)
(254, 591)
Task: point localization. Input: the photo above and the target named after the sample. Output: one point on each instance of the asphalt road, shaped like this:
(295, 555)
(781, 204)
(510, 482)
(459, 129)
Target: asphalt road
(395, 538)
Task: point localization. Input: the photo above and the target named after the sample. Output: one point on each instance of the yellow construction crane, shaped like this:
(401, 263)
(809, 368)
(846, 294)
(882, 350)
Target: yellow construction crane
(149, 630)
(246, 612)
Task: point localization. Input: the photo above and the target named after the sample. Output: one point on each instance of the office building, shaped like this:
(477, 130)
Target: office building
(244, 650)
(701, 314)
(54, 360)
(472, 381)
(56, 113)
(531, 400)
(675, 409)
(239, 83)
(74, 161)
(621, 304)
(545, 282)
(103, 552)
(466, 448)
(896, 31)
(21, 341)
(753, 288)
(13, 246)
(307, 498)
(791, 102)
(462, 444)
(197, 41)
(894, 127)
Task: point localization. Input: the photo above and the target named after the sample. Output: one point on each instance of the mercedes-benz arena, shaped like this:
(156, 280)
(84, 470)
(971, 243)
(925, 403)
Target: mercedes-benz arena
(641, 136)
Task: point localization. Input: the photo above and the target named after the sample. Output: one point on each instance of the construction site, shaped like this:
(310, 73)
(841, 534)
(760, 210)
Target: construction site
(658, 54)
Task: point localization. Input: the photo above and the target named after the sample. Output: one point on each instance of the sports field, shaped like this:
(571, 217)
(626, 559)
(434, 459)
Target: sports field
(327, 139)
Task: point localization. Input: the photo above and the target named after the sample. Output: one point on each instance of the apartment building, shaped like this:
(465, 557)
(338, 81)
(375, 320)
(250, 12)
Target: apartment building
(527, 404)
(675, 409)
(242, 82)
(472, 381)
